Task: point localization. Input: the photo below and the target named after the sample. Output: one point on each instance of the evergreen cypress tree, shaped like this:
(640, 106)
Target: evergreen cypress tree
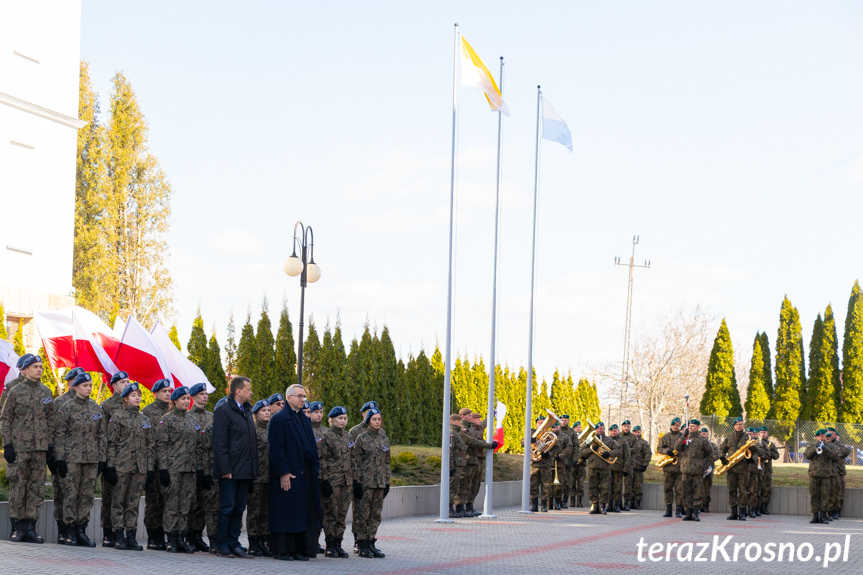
(215, 372)
(540, 402)
(172, 334)
(786, 395)
(757, 400)
(851, 410)
(231, 349)
(437, 361)
(388, 375)
(820, 404)
(285, 366)
(4, 335)
(324, 368)
(563, 396)
(341, 387)
(18, 340)
(768, 364)
(48, 377)
(311, 363)
(265, 344)
(833, 340)
(719, 392)
(357, 382)
(247, 355)
(479, 375)
(197, 346)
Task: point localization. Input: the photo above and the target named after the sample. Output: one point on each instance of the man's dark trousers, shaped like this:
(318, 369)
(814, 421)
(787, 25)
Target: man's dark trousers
(233, 494)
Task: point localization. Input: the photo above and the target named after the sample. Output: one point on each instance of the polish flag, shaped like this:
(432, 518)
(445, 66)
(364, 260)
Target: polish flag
(499, 414)
(184, 371)
(8, 359)
(74, 337)
(139, 356)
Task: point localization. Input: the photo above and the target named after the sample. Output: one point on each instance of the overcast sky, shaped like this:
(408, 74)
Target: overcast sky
(726, 134)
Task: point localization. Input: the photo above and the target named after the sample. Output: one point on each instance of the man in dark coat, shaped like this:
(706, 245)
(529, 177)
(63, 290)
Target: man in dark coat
(295, 502)
(235, 463)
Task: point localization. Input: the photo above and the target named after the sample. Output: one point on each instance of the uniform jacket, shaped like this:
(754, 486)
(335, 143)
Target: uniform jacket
(473, 439)
(640, 454)
(457, 447)
(9, 386)
(771, 453)
(201, 415)
(235, 444)
(207, 449)
(573, 440)
(630, 439)
(111, 406)
(80, 435)
(335, 450)
(757, 459)
(822, 465)
(732, 443)
(318, 430)
(370, 459)
(666, 447)
(624, 462)
(130, 441)
(263, 452)
(844, 451)
(594, 461)
(694, 454)
(356, 430)
(565, 448)
(27, 421)
(178, 443)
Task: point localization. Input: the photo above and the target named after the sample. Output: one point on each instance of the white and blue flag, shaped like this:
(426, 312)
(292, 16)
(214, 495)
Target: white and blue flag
(553, 126)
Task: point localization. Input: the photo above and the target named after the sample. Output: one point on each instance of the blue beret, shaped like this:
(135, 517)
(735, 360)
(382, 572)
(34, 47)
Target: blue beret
(372, 411)
(130, 388)
(369, 405)
(337, 411)
(197, 388)
(675, 420)
(84, 377)
(613, 426)
(626, 422)
(73, 373)
(161, 384)
(221, 402)
(316, 406)
(258, 405)
(636, 428)
(738, 419)
(306, 405)
(118, 376)
(179, 392)
(600, 424)
(276, 397)
(27, 360)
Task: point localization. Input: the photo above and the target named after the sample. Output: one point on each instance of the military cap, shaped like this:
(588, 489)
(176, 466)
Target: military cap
(453, 417)
(831, 429)
(555, 424)
(599, 424)
(179, 392)
(694, 422)
(276, 397)
(576, 424)
(819, 432)
(371, 412)
(306, 404)
(625, 422)
(750, 429)
(27, 360)
(337, 411)
(369, 405)
(197, 388)
(160, 385)
(73, 373)
(465, 411)
(737, 420)
(705, 430)
(259, 404)
(636, 428)
(613, 426)
(129, 389)
(118, 376)
(82, 378)
(675, 420)
(221, 402)
(541, 418)
(763, 428)
(316, 406)
(564, 416)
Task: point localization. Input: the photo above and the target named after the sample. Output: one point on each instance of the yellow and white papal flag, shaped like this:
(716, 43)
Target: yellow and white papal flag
(475, 74)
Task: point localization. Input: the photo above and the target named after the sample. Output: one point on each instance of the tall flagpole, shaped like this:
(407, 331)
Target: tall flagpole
(487, 507)
(525, 474)
(444, 464)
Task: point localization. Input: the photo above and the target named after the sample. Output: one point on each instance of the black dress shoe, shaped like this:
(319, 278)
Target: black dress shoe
(223, 551)
(300, 556)
(283, 557)
(238, 551)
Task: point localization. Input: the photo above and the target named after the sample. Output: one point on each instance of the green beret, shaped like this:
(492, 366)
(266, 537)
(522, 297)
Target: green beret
(564, 416)
(675, 420)
(831, 429)
(694, 422)
(540, 418)
(705, 430)
(750, 429)
(636, 428)
(576, 424)
(626, 422)
(737, 420)
(763, 428)
(819, 432)
(600, 424)
(613, 426)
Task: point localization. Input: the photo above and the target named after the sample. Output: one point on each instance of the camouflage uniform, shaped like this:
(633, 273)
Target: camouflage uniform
(9, 387)
(109, 407)
(473, 440)
(318, 430)
(756, 472)
(707, 482)
(771, 453)
(821, 467)
(561, 451)
(629, 438)
(55, 479)
(154, 502)
(579, 474)
(259, 499)
(640, 460)
(621, 466)
(738, 476)
(357, 430)
(566, 467)
(198, 515)
(370, 466)
(838, 494)
(178, 450)
(27, 423)
(457, 462)
(335, 468)
(599, 471)
(694, 455)
(480, 461)
(672, 481)
(81, 443)
(130, 453)
(212, 509)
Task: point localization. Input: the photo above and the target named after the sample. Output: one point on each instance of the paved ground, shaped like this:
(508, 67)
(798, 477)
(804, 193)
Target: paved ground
(561, 542)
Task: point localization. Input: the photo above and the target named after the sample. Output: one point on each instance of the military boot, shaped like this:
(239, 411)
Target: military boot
(578, 501)
(255, 547)
(733, 516)
(81, 535)
(196, 539)
(342, 554)
(688, 515)
(451, 510)
(544, 507)
(757, 511)
(752, 512)
(374, 549)
(61, 533)
(71, 535)
(556, 502)
(816, 518)
(678, 512)
(534, 505)
(626, 505)
(330, 550)
(572, 501)
(563, 501)
(742, 512)
(365, 551)
(108, 539)
(459, 512)
(614, 507)
(173, 545)
(29, 532)
(695, 515)
(764, 510)
(183, 543)
(265, 547)
(119, 541)
(156, 539)
(667, 510)
(603, 508)
(132, 540)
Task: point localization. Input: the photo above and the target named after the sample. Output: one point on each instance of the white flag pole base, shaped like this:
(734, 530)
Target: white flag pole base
(484, 516)
(444, 521)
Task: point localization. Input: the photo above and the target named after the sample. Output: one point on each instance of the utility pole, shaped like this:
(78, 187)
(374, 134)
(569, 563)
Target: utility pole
(624, 389)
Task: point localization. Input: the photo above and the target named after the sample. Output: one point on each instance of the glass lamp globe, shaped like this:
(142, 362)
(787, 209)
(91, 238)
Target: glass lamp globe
(294, 266)
(313, 273)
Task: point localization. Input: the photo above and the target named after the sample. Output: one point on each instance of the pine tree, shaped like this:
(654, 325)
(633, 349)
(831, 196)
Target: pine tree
(757, 400)
(820, 404)
(4, 335)
(768, 365)
(197, 346)
(175, 338)
(719, 393)
(247, 354)
(215, 372)
(851, 410)
(48, 376)
(311, 359)
(786, 399)
(265, 345)
(18, 340)
(230, 349)
(285, 362)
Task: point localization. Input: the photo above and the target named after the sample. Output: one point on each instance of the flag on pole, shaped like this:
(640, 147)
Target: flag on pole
(553, 126)
(475, 74)
(8, 359)
(499, 414)
(139, 356)
(184, 371)
(74, 337)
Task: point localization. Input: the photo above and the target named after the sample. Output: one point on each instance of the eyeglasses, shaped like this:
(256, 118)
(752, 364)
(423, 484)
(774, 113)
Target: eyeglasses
(300, 395)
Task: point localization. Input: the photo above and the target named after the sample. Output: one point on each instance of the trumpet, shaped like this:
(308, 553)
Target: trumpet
(556, 480)
(820, 447)
(666, 459)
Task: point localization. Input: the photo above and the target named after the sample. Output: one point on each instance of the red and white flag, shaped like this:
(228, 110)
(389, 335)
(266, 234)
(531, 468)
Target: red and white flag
(139, 356)
(184, 371)
(8, 359)
(74, 337)
(499, 414)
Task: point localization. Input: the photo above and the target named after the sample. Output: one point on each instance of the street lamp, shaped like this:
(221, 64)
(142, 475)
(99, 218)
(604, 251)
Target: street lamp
(309, 272)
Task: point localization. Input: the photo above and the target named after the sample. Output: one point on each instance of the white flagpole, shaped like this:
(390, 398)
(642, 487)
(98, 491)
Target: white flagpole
(525, 475)
(487, 507)
(444, 464)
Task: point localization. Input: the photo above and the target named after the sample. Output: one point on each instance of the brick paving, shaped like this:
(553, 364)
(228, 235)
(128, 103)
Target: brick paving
(564, 541)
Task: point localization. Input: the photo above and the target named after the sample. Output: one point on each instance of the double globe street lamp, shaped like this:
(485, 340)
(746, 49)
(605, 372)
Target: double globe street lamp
(309, 272)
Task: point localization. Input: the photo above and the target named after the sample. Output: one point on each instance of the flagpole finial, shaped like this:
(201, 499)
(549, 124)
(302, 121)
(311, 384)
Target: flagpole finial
(538, 86)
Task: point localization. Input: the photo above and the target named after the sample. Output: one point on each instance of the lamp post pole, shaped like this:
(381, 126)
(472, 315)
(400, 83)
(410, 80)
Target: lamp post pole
(309, 272)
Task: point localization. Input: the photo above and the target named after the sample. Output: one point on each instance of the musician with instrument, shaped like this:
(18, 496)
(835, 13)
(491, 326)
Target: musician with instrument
(756, 473)
(695, 454)
(672, 481)
(541, 464)
(579, 468)
(600, 452)
(566, 467)
(707, 481)
(837, 485)
(732, 450)
(640, 460)
(822, 456)
(620, 472)
(561, 451)
(771, 452)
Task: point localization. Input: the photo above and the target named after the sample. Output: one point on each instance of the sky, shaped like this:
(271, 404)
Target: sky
(726, 135)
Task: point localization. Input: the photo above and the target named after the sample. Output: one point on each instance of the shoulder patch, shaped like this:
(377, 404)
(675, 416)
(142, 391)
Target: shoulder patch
(96, 416)
(385, 448)
(47, 400)
(350, 444)
(146, 425)
(197, 427)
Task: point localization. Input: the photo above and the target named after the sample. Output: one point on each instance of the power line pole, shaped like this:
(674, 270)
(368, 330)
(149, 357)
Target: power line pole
(624, 389)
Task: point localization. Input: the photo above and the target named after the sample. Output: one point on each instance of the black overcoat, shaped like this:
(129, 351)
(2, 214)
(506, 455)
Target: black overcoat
(293, 450)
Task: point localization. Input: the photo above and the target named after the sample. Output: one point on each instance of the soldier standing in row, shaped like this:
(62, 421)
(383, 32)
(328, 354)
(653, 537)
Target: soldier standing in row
(566, 468)
(130, 466)
(213, 494)
(822, 456)
(259, 497)
(354, 433)
(561, 451)
(738, 476)
(579, 471)
(629, 438)
(203, 488)
(473, 440)
(671, 473)
(154, 501)
(118, 383)
(457, 461)
(619, 471)
(640, 460)
(27, 427)
(695, 454)
(837, 500)
(756, 472)
(599, 470)
(277, 403)
(82, 449)
(336, 480)
(707, 482)
(479, 424)
(316, 414)
(370, 466)
(538, 469)
(52, 466)
(771, 453)
(178, 454)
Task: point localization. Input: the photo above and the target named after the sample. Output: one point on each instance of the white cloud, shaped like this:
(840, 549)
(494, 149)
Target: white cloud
(234, 242)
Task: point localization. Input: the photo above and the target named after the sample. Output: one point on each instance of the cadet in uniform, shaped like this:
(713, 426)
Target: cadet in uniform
(756, 471)
(640, 460)
(838, 484)
(561, 451)
(212, 510)
(336, 480)
(55, 479)
(178, 454)
(203, 489)
(629, 438)
(738, 476)
(535, 469)
(565, 471)
(277, 403)
(473, 439)
(771, 453)
(259, 498)
(354, 433)
(619, 471)
(695, 454)
(82, 449)
(118, 383)
(457, 461)
(707, 482)
(578, 470)
(671, 473)
(27, 427)
(822, 457)
(130, 465)
(154, 501)
(370, 466)
(316, 414)
(599, 470)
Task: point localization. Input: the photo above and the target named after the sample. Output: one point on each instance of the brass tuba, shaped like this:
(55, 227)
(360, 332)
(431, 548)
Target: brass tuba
(545, 439)
(743, 453)
(588, 437)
